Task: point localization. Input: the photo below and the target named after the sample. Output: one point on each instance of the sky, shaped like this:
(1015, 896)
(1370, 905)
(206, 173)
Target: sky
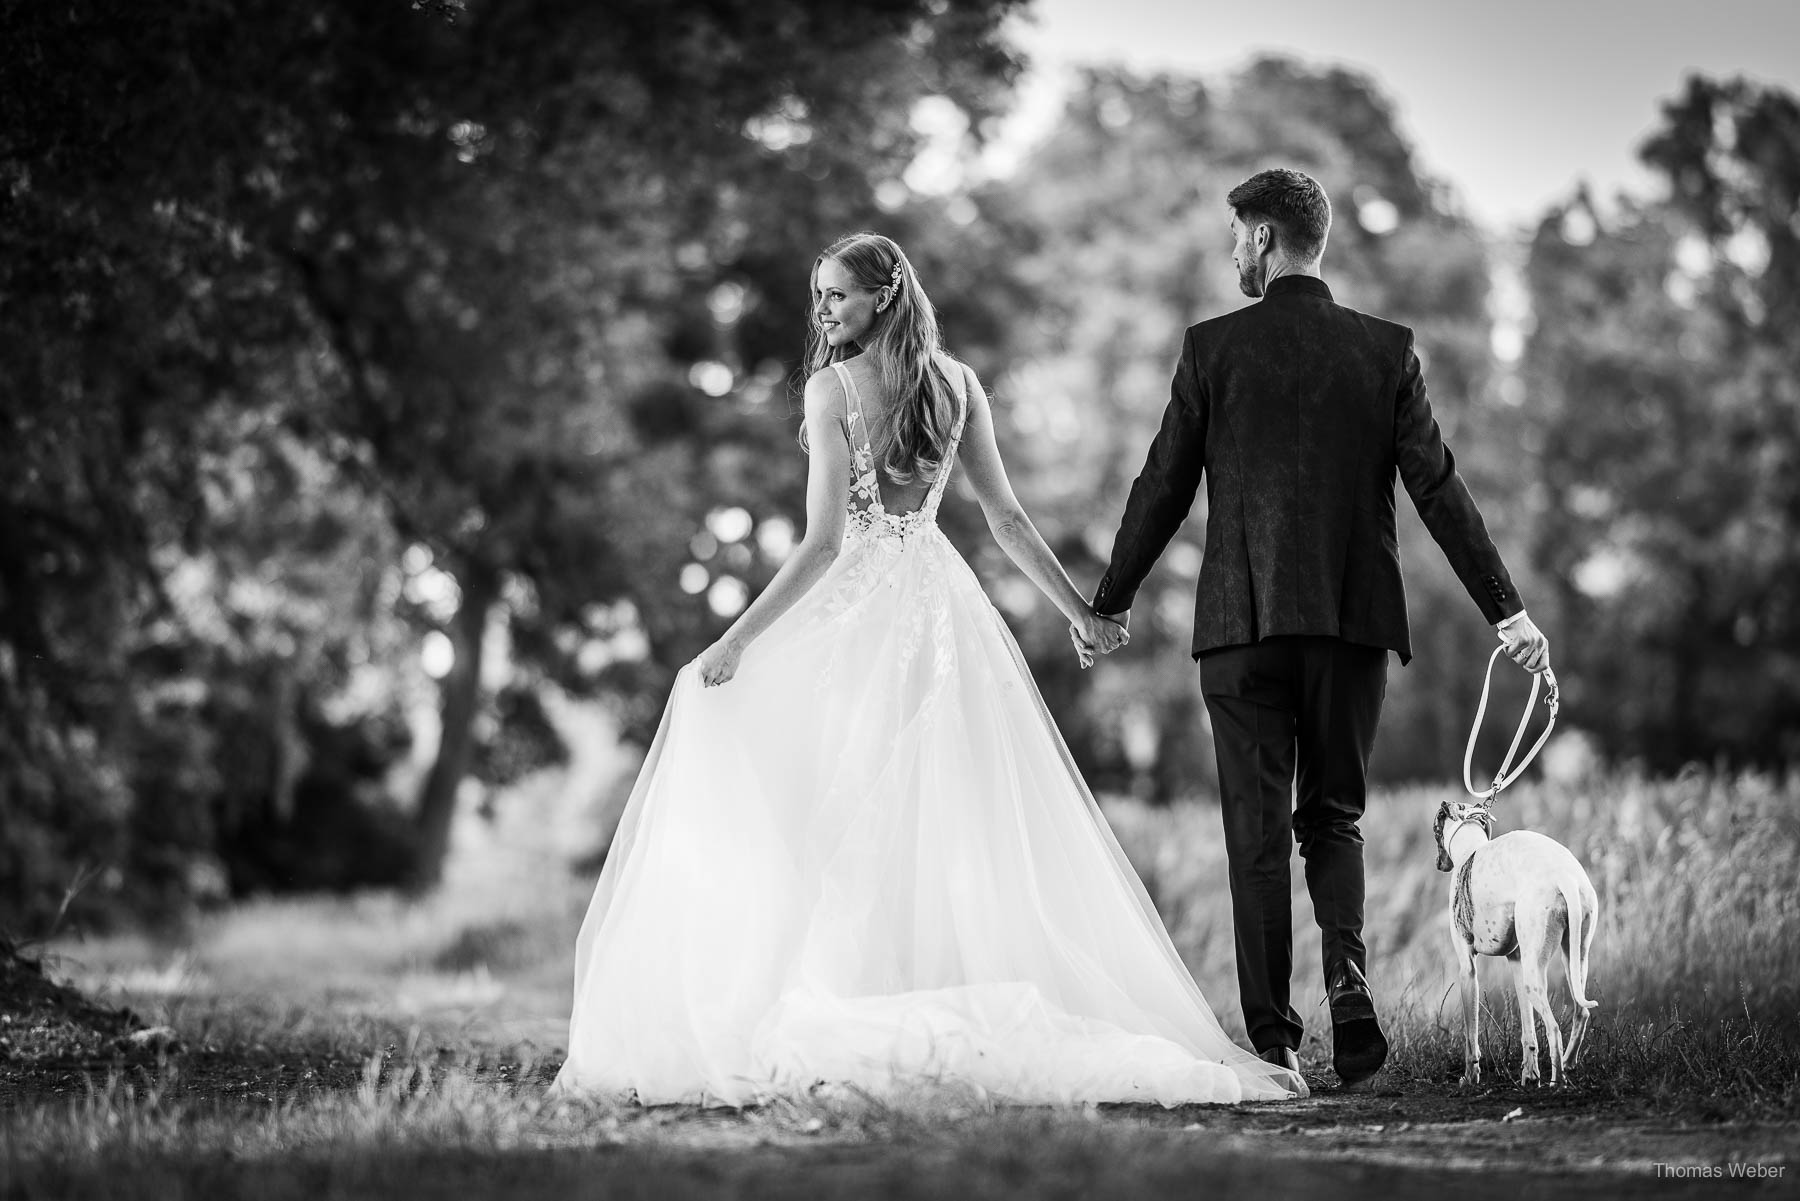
(1513, 103)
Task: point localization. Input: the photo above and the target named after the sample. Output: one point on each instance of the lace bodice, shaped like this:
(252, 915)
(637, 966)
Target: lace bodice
(868, 516)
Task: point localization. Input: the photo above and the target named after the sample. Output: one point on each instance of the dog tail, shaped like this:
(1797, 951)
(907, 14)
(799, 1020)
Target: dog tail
(1578, 930)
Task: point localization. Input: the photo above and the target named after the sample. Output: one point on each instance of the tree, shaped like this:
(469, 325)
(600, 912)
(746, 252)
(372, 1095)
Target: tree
(773, 100)
(447, 257)
(1664, 377)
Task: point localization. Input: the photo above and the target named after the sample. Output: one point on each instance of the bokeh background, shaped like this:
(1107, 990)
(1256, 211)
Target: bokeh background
(393, 397)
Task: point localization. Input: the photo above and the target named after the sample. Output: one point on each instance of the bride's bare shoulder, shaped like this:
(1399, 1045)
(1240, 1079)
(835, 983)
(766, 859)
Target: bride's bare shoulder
(953, 368)
(963, 377)
(825, 393)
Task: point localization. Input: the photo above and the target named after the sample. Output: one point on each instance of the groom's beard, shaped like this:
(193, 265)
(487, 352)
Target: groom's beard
(1250, 281)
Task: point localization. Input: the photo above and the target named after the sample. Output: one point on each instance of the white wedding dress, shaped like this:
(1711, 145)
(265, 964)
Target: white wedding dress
(868, 859)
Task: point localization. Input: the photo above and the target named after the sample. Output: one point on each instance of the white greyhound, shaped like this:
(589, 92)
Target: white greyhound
(1523, 896)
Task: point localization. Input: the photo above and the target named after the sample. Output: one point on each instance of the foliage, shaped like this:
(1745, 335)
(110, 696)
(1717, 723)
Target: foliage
(380, 285)
(1666, 383)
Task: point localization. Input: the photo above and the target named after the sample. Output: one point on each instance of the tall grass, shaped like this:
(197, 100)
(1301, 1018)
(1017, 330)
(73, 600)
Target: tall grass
(1696, 963)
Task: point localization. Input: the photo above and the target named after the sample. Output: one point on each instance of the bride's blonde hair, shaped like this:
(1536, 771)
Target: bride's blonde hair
(903, 346)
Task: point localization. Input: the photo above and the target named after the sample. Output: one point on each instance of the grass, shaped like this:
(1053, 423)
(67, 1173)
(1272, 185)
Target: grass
(454, 1135)
(417, 1126)
(1696, 964)
(373, 1046)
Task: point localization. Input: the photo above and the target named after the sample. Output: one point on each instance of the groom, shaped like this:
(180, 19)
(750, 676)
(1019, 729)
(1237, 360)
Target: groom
(1299, 413)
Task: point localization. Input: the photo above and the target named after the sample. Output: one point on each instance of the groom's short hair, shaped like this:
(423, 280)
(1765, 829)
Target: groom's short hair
(1291, 201)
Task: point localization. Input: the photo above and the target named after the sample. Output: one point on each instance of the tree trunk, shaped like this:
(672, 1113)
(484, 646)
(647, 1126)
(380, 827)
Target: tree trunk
(292, 752)
(461, 698)
(1682, 741)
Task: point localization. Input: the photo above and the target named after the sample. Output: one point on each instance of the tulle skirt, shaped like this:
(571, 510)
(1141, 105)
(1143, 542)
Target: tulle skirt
(868, 859)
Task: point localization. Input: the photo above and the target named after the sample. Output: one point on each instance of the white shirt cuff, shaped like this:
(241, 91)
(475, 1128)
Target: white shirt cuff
(1506, 621)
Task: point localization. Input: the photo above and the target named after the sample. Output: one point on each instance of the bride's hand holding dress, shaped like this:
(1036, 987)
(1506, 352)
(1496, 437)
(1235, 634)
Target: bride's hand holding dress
(827, 497)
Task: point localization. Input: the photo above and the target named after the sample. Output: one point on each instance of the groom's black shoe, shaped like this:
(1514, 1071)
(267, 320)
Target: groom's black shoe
(1282, 1057)
(1357, 1044)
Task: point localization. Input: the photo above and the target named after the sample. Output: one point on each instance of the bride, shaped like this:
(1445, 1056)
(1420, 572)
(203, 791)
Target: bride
(858, 850)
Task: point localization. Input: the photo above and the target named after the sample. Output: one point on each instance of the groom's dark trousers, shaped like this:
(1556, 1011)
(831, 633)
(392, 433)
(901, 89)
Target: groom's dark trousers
(1299, 413)
(1293, 721)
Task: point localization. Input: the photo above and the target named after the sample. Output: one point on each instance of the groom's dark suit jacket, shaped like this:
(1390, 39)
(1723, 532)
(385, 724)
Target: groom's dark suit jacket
(1300, 412)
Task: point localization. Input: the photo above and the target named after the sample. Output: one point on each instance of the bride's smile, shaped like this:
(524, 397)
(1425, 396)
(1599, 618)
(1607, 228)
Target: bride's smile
(844, 309)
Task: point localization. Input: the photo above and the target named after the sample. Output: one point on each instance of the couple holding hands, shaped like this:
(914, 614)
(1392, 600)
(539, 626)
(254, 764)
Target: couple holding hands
(858, 852)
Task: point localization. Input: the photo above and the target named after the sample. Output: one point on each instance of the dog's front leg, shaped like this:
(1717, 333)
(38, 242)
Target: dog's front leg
(1471, 1005)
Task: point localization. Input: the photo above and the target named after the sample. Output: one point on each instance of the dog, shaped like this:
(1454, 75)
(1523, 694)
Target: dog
(1523, 896)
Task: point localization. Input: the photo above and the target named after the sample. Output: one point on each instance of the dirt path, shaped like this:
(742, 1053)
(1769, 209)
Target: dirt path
(1404, 1138)
(1411, 1138)
(1493, 1130)
(1421, 1139)
(1496, 1141)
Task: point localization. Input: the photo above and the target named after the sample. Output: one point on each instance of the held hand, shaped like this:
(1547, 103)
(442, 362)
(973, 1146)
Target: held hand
(1093, 634)
(1526, 645)
(719, 662)
(1084, 650)
(1107, 635)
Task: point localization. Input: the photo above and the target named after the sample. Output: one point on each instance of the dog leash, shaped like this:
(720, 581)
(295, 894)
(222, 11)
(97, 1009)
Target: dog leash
(1508, 773)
